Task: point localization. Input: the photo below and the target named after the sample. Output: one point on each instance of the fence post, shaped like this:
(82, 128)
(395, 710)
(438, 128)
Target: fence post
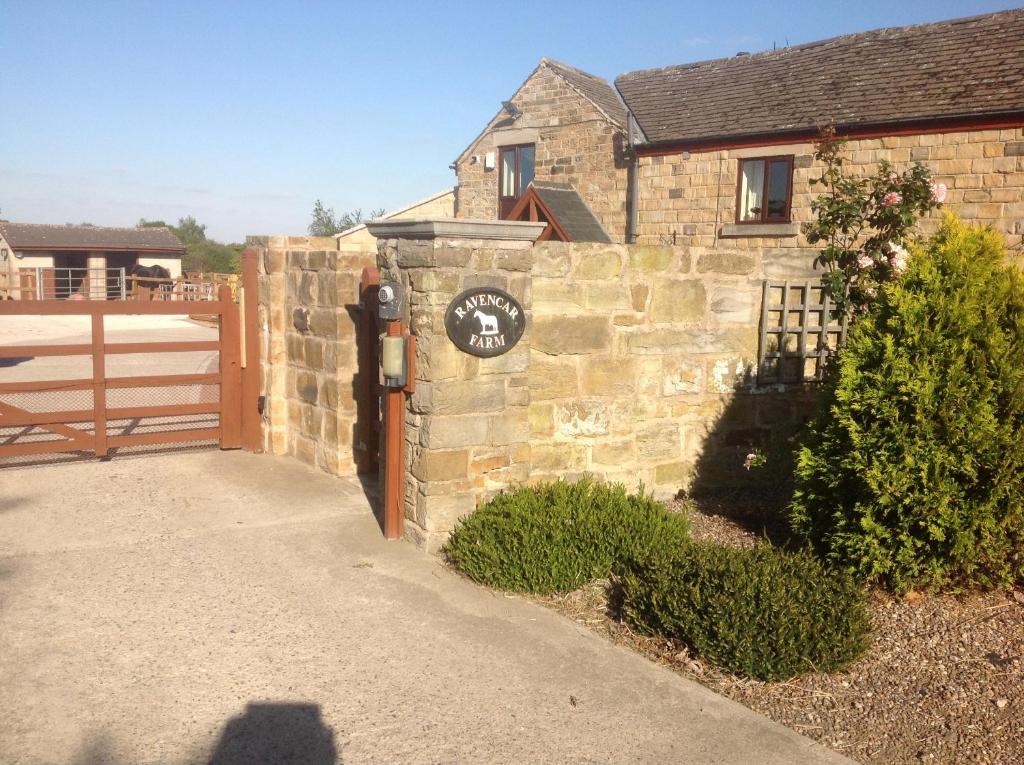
(99, 384)
(252, 436)
(230, 372)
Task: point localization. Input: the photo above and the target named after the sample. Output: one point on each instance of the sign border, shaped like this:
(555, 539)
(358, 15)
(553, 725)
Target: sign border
(465, 347)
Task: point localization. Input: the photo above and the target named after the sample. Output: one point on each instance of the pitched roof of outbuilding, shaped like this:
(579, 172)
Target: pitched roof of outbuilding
(961, 68)
(563, 207)
(42, 236)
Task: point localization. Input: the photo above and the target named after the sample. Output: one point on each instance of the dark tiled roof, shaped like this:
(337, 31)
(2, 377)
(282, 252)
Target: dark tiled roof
(571, 212)
(965, 67)
(40, 236)
(594, 89)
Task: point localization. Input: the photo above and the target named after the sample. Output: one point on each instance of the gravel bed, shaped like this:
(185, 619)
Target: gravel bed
(942, 683)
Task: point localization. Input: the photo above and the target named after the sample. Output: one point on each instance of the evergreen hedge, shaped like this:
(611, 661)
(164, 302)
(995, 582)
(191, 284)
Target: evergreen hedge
(558, 536)
(913, 471)
(761, 612)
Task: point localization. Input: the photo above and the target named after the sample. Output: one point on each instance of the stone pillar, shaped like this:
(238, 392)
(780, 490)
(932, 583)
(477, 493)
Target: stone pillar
(96, 263)
(467, 424)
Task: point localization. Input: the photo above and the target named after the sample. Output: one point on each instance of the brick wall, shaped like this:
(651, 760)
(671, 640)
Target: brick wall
(576, 144)
(309, 295)
(688, 200)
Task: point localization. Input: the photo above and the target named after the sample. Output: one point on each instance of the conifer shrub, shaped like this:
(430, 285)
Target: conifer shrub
(558, 536)
(760, 612)
(913, 471)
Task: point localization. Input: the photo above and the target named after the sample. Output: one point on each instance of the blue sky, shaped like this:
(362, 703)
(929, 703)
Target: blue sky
(243, 113)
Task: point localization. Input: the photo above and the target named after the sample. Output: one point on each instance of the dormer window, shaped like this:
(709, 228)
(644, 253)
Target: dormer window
(515, 172)
(764, 190)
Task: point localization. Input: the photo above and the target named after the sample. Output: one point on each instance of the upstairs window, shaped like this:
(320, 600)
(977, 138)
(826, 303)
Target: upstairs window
(764, 190)
(515, 173)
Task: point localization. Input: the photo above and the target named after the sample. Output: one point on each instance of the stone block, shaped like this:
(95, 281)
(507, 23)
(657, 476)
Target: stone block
(675, 474)
(453, 432)
(452, 255)
(600, 264)
(413, 253)
(467, 397)
(556, 296)
(586, 417)
(552, 259)
(542, 419)
(433, 465)
(638, 296)
(509, 428)
(692, 340)
(558, 457)
(300, 319)
(658, 442)
(306, 386)
(620, 452)
(725, 263)
(682, 376)
(561, 335)
(650, 258)
(443, 512)
(794, 262)
(678, 300)
(727, 375)
(607, 296)
(323, 322)
(608, 376)
(734, 304)
(514, 260)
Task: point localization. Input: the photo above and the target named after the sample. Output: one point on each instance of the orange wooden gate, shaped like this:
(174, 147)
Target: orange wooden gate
(225, 405)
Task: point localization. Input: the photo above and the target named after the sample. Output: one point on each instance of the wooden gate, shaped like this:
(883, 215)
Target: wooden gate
(225, 405)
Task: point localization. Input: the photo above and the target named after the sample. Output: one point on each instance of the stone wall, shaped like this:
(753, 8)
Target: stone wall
(643, 363)
(309, 310)
(575, 143)
(467, 423)
(637, 366)
(690, 198)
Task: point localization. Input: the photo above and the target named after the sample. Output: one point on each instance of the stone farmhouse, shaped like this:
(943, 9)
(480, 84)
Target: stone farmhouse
(719, 154)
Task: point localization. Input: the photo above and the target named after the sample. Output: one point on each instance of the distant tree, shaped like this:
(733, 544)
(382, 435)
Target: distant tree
(327, 223)
(201, 254)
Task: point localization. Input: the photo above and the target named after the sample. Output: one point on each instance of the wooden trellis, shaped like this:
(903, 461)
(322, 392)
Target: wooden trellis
(800, 332)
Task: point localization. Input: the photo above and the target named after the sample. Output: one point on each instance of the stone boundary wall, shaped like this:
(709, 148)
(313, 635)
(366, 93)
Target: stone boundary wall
(309, 296)
(636, 366)
(643, 363)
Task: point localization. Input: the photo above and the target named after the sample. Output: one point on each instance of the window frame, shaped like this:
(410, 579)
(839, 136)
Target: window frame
(767, 159)
(517, 173)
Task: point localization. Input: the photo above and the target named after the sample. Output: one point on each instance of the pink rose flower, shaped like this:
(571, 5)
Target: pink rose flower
(939, 192)
(865, 261)
(892, 198)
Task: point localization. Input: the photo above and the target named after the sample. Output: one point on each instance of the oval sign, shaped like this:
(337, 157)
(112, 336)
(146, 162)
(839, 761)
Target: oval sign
(485, 321)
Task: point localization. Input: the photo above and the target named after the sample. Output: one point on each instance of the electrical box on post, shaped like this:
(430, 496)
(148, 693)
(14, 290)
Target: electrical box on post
(391, 297)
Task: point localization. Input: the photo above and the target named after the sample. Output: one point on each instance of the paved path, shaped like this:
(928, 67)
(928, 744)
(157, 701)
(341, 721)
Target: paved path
(233, 608)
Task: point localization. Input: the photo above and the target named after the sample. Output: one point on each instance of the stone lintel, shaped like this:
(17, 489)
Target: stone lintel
(455, 228)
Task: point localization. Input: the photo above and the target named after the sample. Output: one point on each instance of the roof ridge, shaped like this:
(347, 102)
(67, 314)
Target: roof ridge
(868, 33)
(85, 225)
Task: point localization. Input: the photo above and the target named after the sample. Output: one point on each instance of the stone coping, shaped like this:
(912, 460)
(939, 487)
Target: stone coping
(460, 228)
(760, 229)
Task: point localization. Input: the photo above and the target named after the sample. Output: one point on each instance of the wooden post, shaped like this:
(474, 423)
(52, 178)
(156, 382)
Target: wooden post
(252, 435)
(99, 386)
(230, 372)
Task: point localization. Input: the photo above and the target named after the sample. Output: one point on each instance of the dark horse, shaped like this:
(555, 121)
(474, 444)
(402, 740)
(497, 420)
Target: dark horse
(151, 277)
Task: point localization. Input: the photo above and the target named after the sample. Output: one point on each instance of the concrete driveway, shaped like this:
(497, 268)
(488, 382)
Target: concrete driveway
(234, 608)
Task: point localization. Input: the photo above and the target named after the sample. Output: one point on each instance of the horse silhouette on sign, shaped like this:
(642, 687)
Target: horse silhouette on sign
(488, 323)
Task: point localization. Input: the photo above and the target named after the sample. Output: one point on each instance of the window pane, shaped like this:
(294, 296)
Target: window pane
(778, 186)
(751, 189)
(526, 154)
(508, 172)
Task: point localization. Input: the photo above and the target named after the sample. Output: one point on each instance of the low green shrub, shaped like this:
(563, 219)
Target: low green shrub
(912, 472)
(761, 612)
(558, 536)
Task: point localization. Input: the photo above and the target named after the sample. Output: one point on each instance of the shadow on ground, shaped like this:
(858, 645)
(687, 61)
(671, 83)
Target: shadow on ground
(265, 734)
